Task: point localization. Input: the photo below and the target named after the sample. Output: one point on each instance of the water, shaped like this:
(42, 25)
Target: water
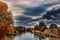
(25, 36)
(30, 36)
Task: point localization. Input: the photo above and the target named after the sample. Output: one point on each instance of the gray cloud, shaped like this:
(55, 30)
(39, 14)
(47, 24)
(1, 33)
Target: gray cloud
(34, 11)
(52, 15)
(22, 18)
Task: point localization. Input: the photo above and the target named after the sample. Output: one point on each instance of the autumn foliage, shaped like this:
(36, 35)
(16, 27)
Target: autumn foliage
(6, 21)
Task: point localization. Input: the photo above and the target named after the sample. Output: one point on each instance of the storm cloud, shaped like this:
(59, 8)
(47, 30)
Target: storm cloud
(34, 11)
(22, 18)
(53, 14)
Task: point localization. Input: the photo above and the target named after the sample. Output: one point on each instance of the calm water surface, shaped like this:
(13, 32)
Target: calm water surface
(25, 36)
(30, 36)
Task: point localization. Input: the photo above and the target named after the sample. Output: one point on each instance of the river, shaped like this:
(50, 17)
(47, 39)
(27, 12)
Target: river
(30, 36)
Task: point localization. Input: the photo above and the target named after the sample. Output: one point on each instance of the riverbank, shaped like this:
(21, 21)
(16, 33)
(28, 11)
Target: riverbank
(41, 29)
(46, 33)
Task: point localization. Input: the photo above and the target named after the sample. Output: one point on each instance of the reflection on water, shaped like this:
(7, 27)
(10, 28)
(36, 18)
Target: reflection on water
(41, 38)
(44, 38)
(30, 36)
(25, 36)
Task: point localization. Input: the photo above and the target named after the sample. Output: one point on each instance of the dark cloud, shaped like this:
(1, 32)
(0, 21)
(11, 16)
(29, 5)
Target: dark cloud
(24, 21)
(34, 11)
(38, 10)
(22, 18)
(27, 24)
(53, 14)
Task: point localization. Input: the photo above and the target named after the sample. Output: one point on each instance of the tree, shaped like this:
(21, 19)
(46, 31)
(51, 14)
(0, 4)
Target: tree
(42, 26)
(53, 26)
(36, 27)
(6, 21)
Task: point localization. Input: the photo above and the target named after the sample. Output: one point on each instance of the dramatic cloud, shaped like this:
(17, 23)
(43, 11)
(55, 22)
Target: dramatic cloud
(23, 21)
(31, 12)
(22, 18)
(34, 11)
(53, 14)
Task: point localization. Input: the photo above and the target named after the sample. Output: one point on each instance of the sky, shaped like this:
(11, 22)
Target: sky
(29, 13)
